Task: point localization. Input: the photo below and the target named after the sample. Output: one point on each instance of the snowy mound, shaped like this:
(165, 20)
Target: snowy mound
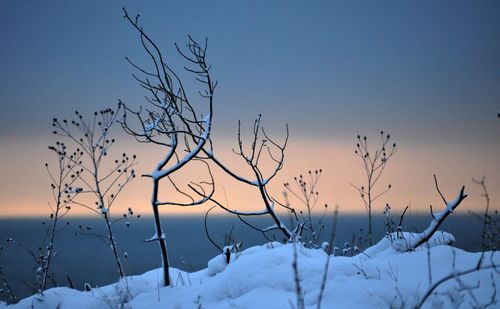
(405, 241)
(263, 277)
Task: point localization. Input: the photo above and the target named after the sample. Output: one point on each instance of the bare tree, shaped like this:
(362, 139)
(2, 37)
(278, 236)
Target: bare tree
(373, 164)
(172, 122)
(183, 129)
(100, 182)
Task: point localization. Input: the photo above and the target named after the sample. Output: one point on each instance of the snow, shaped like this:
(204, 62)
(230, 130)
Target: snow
(155, 237)
(151, 125)
(159, 173)
(207, 118)
(405, 241)
(216, 265)
(262, 277)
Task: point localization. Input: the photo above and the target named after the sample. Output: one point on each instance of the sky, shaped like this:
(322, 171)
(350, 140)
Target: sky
(426, 72)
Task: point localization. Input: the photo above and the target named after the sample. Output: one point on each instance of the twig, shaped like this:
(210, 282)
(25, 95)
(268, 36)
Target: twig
(298, 289)
(328, 256)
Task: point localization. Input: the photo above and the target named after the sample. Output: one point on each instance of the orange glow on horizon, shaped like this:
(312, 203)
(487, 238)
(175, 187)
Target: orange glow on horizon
(410, 174)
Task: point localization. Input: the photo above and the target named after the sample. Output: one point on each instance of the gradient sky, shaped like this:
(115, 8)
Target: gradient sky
(427, 72)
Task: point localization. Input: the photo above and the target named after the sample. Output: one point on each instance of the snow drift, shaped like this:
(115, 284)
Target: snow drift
(263, 277)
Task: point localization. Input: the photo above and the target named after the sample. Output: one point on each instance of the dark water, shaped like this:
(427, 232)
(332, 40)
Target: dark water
(87, 259)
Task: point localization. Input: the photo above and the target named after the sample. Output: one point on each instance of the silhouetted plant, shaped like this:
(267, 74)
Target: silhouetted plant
(102, 179)
(491, 222)
(374, 163)
(393, 231)
(64, 191)
(304, 190)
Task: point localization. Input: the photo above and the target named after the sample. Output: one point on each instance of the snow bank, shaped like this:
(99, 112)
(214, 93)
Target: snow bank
(262, 277)
(406, 241)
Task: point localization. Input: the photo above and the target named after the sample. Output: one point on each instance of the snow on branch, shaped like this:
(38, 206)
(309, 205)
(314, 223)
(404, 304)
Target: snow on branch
(159, 173)
(416, 240)
(172, 121)
(439, 217)
(155, 238)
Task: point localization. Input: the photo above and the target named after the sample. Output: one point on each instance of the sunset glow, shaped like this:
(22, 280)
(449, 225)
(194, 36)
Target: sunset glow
(427, 76)
(410, 173)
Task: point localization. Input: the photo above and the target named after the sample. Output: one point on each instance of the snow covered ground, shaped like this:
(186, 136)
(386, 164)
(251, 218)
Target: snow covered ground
(263, 277)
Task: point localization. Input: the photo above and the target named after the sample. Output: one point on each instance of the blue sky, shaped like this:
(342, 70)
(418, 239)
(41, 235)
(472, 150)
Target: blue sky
(346, 65)
(428, 72)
